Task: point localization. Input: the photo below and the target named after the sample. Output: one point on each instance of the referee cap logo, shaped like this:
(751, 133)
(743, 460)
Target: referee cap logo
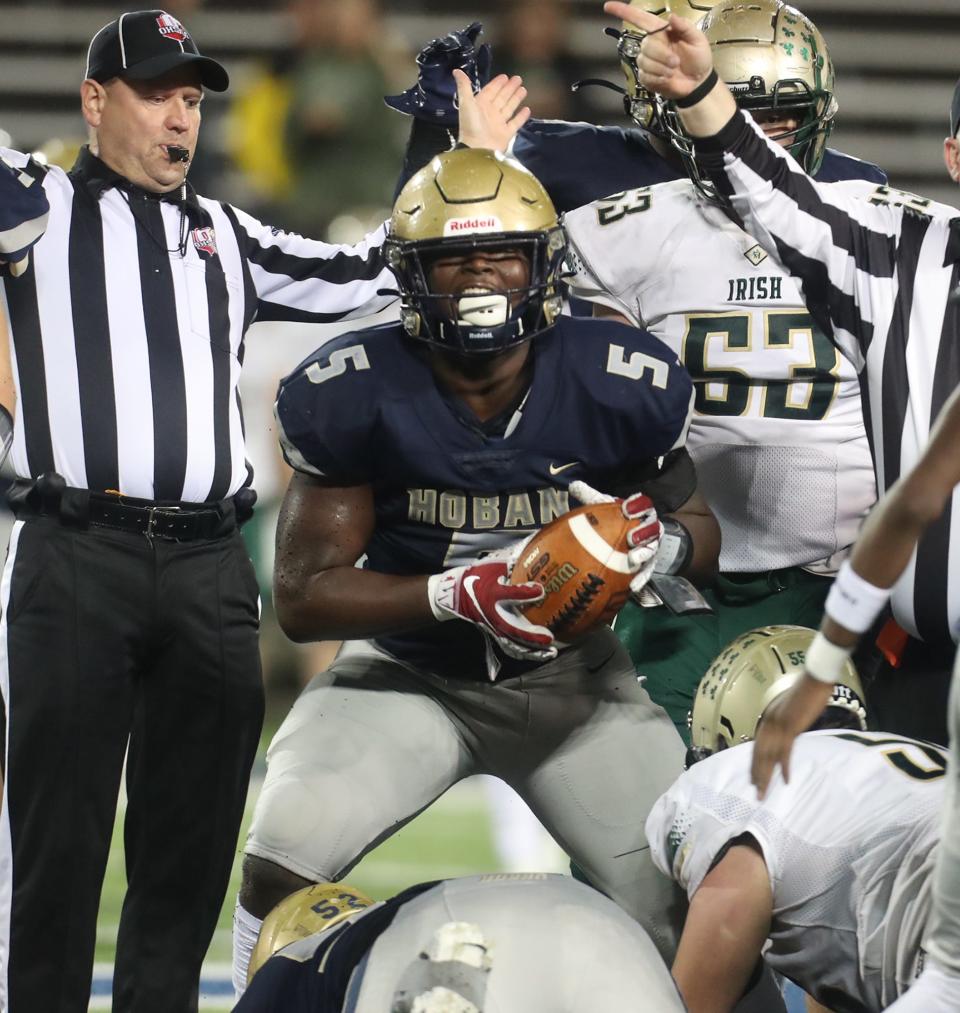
(170, 28)
(142, 45)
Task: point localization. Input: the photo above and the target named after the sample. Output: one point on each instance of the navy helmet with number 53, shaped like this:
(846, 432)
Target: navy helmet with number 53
(466, 200)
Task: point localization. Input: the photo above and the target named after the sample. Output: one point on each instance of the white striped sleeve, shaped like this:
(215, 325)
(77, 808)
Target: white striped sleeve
(842, 245)
(302, 279)
(24, 208)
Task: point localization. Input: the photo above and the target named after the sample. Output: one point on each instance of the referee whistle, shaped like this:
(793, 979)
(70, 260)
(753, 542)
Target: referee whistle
(177, 154)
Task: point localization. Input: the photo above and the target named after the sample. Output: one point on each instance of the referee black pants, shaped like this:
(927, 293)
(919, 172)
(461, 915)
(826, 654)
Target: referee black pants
(111, 644)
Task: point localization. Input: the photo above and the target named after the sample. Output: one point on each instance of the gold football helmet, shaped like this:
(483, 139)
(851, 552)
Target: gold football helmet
(304, 913)
(775, 61)
(469, 199)
(748, 675)
(642, 106)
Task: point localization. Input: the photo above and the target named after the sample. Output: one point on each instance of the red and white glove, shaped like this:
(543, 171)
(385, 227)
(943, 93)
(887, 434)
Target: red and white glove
(482, 594)
(644, 539)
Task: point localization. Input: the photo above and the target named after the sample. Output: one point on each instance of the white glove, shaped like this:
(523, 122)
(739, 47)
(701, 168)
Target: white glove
(644, 539)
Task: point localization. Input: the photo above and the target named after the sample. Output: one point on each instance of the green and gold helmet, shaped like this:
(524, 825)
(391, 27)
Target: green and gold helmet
(775, 61)
(641, 105)
(304, 913)
(470, 199)
(748, 675)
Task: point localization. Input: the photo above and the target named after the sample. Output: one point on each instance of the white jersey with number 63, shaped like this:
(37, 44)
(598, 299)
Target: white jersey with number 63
(777, 434)
(849, 844)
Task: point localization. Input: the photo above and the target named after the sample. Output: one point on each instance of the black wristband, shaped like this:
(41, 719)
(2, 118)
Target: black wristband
(701, 91)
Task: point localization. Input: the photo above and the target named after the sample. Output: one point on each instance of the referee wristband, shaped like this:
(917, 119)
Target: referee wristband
(701, 91)
(824, 660)
(853, 602)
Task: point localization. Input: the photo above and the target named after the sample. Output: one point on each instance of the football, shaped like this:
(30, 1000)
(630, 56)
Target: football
(581, 560)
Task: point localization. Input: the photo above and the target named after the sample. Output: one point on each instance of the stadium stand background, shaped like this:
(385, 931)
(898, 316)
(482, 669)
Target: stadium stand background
(897, 67)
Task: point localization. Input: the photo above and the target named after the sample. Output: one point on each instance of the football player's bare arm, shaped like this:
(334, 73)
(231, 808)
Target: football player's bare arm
(895, 525)
(319, 593)
(697, 517)
(882, 552)
(725, 929)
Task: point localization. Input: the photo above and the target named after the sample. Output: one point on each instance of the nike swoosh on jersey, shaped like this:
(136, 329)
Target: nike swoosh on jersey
(555, 470)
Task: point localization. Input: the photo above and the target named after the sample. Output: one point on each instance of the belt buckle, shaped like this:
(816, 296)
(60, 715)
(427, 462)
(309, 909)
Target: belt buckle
(152, 512)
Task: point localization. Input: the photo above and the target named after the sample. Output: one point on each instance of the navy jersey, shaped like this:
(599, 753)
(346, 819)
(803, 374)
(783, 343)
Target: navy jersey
(313, 974)
(578, 163)
(604, 401)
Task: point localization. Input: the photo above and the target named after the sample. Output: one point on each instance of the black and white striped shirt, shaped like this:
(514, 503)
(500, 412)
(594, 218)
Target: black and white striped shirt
(128, 330)
(877, 273)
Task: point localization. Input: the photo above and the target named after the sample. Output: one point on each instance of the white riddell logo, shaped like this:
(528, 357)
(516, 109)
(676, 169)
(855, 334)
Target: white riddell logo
(556, 469)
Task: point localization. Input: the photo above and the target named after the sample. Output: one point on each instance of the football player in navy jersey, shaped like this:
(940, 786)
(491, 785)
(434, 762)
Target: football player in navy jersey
(576, 162)
(531, 942)
(420, 446)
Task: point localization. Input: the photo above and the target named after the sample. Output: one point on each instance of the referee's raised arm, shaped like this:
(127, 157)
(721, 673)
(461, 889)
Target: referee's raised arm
(129, 605)
(878, 271)
(898, 268)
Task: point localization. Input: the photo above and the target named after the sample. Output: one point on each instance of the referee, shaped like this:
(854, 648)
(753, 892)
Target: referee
(877, 275)
(129, 606)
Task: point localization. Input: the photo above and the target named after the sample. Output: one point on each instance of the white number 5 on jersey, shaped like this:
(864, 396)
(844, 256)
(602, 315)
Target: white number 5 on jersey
(356, 354)
(638, 363)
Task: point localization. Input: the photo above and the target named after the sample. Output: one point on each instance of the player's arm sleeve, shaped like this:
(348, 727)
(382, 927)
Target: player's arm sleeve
(841, 247)
(322, 433)
(300, 279)
(24, 207)
(669, 481)
(598, 271)
(425, 141)
(836, 166)
(656, 398)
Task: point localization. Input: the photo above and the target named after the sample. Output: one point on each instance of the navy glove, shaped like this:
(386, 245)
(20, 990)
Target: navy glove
(433, 97)
(23, 215)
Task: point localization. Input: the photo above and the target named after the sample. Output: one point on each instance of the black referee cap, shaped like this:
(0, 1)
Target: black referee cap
(147, 44)
(955, 111)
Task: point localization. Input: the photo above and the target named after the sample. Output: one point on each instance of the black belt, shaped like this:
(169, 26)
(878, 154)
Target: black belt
(50, 496)
(179, 524)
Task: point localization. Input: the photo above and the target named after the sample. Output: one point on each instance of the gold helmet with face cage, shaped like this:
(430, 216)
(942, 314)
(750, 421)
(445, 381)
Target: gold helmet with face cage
(304, 913)
(641, 105)
(748, 675)
(473, 199)
(775, 61)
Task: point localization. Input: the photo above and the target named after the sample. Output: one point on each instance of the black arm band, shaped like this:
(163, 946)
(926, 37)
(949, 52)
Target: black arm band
(676, 548)
(701, 91)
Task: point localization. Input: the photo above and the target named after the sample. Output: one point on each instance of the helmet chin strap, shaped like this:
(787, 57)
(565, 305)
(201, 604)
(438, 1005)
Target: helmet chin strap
(487, 310)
